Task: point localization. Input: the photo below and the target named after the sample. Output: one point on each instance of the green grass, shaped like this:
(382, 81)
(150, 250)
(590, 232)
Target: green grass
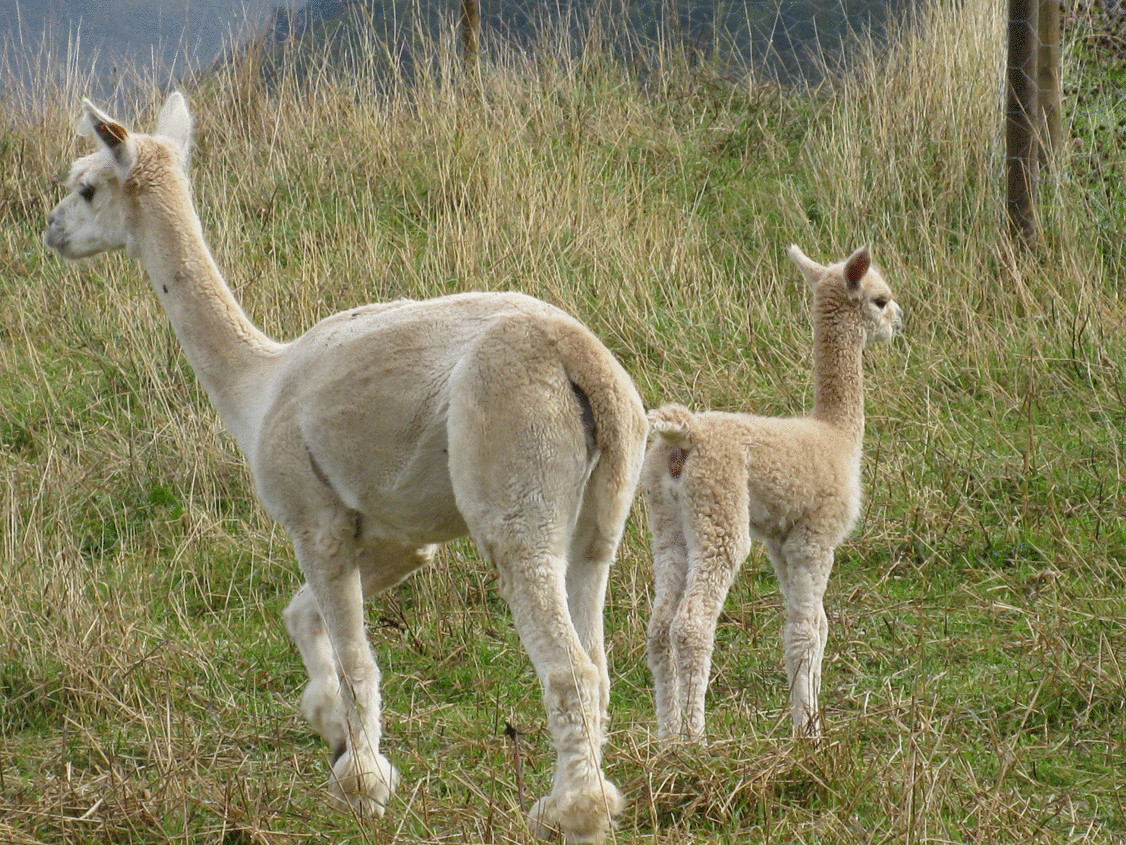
(974, 679)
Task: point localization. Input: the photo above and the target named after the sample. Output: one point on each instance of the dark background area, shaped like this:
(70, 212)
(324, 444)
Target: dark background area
(164, 39)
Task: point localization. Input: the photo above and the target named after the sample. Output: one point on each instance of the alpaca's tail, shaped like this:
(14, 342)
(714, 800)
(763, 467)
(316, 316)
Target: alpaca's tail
(674, 423)
(613, 417)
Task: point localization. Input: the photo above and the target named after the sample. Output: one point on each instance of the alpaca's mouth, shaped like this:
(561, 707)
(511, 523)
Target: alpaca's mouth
(56, 240)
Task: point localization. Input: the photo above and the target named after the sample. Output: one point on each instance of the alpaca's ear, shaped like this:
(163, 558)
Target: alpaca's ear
(175, 122)
(112, 134)
(809, 268)
(856, 266)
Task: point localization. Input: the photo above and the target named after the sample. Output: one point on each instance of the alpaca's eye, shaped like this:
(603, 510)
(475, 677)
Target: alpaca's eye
(86, 192)
(881, 302)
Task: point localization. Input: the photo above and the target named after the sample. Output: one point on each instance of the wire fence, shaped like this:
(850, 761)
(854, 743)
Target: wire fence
(789, 40)
(782, 39)
(1033, 102)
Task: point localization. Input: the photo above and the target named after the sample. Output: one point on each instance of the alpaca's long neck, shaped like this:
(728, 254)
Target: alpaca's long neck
(838, 375)
(230, 356)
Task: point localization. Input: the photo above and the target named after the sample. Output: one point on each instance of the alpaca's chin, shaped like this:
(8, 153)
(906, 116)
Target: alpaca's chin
(66, 248)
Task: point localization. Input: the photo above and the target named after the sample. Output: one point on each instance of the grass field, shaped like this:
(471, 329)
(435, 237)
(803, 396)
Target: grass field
(974, 676)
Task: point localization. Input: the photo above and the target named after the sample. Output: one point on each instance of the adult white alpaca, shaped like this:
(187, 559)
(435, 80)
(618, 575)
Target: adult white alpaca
(714, 480)
(389, 428)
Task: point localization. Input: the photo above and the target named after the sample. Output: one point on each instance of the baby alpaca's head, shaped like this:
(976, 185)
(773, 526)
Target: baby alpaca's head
(856, 288)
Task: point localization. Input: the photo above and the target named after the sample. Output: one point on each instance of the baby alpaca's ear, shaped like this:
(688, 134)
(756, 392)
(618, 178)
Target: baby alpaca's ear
(809, 268)
(856, 266)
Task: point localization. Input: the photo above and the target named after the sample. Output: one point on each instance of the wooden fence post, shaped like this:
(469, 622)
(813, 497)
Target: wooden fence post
(1048, 77)
(1021, 110)
(471, 37)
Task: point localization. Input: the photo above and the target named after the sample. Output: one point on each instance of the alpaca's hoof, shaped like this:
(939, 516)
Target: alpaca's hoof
(677, 742)
(582, 815)
(679, 736)
(363, 788)
(807, 726)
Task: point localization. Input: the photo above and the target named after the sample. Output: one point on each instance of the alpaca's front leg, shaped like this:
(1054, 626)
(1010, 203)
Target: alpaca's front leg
(803, 653)
(362, 777)
(321, 703)
(383, 565)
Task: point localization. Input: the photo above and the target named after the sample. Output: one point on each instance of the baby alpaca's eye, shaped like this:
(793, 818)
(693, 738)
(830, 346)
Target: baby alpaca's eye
(86, 192)
(881, 302)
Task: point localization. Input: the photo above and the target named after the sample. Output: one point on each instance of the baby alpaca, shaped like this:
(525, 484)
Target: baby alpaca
(389, 428)
(713, 481)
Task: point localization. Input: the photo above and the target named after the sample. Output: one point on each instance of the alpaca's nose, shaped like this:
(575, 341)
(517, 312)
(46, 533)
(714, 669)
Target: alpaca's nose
(51, 235)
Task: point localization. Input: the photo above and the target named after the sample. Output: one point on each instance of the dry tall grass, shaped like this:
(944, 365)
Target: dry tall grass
(974, 682)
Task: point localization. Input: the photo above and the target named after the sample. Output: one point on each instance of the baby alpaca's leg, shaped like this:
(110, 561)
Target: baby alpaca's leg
(808, 565)
(670, 563)
(693, 631)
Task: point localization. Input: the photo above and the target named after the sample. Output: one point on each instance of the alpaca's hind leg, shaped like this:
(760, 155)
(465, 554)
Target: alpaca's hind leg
(518, 477)
(711, 519)
(670, 564)
(520, 465)
(807, 565)
(588, 571)
(594, 545)
(582, 800)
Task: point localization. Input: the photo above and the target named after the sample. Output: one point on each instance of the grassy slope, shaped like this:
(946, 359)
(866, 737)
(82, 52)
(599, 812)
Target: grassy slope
(973, 678)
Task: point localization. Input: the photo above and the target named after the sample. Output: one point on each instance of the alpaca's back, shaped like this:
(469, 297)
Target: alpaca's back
(793, 470)
(367, 394)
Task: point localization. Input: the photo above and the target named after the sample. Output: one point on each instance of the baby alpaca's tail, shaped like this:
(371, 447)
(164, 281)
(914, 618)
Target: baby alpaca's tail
(674, 423)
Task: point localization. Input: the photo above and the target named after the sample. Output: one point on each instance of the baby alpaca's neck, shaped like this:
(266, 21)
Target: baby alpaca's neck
(838, 376)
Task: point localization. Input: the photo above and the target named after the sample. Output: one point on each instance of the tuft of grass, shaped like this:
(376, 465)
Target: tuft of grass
(974, 682)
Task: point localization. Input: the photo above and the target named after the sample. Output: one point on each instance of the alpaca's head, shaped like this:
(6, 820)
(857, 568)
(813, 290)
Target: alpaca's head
(854, 290)
(97, 213)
